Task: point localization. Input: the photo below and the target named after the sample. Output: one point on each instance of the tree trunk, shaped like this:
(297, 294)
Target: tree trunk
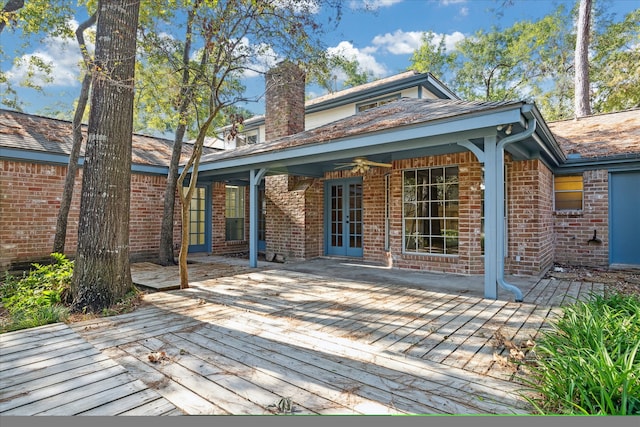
(582, 98)
(67, 193)
(166, 255)
(102, 273)
(185, 198)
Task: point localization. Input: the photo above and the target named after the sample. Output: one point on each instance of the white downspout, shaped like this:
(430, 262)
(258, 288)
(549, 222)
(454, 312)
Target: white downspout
(531, 127)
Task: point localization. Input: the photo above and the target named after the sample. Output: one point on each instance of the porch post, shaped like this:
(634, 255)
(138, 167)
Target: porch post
(491, 175)
(255, 176)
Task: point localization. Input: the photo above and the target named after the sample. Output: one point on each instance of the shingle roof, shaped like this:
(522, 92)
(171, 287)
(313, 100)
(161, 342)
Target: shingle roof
(604, 135)
(35, 133)
(403, 112)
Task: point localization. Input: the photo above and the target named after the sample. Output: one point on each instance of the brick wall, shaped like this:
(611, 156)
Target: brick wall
(574, 229)
(294, 217)
(529, 217)
(220, 245)
(469, 259)
(293, 212)
(29, 202)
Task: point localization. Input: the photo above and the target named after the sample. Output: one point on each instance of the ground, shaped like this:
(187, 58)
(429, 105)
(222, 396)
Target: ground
(625, 281)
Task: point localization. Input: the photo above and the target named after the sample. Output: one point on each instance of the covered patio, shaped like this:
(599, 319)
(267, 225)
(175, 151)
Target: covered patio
(297, 339)
(395, 134)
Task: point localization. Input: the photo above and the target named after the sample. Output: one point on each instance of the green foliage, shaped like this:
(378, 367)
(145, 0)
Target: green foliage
(38, 298)
(533, 60)
(615, 67)
(589, 363)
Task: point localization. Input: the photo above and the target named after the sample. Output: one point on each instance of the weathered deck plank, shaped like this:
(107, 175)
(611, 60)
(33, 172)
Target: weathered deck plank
(236, 345)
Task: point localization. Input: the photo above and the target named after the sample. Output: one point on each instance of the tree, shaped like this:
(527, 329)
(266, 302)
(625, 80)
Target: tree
(615, 65)
(102, 272)
(31, 18)
(223, 31)
(432, 57)
(536, 60)
(582, 96)
(72, 166)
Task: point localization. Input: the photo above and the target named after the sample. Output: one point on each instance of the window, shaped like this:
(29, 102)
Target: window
(234, 213)
(376, 103)
(568, 192)
(431, 210)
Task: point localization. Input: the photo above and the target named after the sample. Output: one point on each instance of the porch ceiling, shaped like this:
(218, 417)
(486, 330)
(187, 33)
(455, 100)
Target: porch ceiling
(403, 129)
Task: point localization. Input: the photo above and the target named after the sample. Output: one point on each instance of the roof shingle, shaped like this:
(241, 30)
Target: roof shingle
(598, 136)
(35, 133)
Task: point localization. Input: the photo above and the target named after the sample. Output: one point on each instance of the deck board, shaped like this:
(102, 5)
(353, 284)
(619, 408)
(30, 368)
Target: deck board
(239, 344)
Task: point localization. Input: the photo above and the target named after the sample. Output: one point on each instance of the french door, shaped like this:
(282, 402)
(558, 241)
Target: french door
(343, 217)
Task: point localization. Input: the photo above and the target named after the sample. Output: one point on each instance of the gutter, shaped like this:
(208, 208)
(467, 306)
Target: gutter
(530, 129)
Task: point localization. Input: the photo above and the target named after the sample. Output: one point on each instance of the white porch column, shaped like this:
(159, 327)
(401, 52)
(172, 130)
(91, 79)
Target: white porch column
(255, 176)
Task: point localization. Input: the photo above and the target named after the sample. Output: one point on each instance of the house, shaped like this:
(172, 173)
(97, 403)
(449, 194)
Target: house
(33, 164)
(402, 169)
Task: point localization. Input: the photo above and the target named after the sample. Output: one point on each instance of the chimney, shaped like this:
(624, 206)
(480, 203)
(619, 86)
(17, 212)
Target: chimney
(284, 101)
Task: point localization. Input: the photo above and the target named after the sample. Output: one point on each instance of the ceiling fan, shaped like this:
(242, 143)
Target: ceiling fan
(362, 164)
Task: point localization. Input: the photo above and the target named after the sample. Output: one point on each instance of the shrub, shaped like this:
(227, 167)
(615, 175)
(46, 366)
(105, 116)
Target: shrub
(589, 362)
(39, 297)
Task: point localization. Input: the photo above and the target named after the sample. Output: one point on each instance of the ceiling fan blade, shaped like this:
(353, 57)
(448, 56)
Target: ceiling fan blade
(381, 165)
(345, 166)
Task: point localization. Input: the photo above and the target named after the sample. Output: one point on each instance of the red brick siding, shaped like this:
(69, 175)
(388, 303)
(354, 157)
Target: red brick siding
(574, 229)
(294, 216)
(220, 245)
(529, 217)
(29, 202)
(469, 259)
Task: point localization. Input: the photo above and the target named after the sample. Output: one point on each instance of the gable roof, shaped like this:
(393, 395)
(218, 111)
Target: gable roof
(601, 136)
(36, 134)
(368, 91)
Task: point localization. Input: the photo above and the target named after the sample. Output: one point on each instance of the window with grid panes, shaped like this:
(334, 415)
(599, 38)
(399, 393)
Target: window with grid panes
(431, 210)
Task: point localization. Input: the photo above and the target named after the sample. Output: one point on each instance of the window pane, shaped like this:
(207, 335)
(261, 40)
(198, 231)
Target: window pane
(568, 192)
(431, 210)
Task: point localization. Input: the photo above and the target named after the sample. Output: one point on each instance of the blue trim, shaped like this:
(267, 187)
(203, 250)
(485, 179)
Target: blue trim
(425, 80)
(345, 249)
(63, 160)
(36, 156)
(206, 246)
(429, 134)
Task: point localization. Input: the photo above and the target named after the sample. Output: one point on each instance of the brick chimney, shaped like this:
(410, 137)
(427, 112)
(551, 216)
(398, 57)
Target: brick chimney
(294, 203)
(284, 102)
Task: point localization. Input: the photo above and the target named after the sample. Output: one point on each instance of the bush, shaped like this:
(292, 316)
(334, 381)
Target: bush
(589, 363)
(39, 297)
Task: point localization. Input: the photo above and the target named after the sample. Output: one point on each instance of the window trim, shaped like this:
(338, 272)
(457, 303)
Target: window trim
(581, 191)
(457, 218)
(378, 101)
(241, 195)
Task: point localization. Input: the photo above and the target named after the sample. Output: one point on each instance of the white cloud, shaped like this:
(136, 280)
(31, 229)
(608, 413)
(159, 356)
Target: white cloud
(464, 11)
(400, 42)
(366, 60)
(406, 42)
(62, 57)
(450, 2)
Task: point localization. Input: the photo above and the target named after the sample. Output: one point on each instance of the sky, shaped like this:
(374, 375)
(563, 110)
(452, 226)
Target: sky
(382, 39)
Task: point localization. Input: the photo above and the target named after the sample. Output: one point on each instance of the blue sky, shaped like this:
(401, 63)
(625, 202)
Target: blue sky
(382, 40)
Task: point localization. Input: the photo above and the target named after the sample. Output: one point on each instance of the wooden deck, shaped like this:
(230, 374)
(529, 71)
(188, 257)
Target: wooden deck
(277, 341)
